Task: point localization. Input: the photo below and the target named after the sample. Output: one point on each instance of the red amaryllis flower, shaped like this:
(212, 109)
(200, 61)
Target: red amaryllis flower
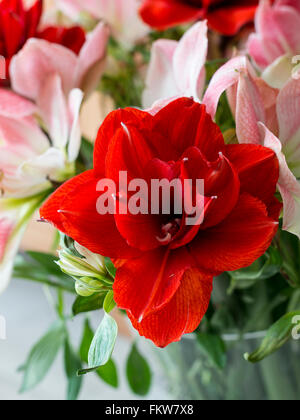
(18, 24)
(224, 16)
(166, 267)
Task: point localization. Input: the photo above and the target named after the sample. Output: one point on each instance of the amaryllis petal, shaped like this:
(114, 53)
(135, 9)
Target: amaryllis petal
(230, 20)
(36, 61)
(162, 14)
(238, 241)
(187, 123)
(53, 108)
(177, 68)
(161, 271)
(189, 61)
(12, 105)
(288, 105)
(160, 82)
(226, 77)
(75, 101)
(91, 60)
(182, 314)
(254, 165)
(108, 129)
(288, 185)
(77, 216)
(249, 110)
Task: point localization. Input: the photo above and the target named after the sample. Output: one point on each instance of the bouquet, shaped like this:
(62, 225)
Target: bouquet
(183, 214)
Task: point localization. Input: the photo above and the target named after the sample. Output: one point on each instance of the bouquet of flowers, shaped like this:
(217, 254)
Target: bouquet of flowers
(184, 212)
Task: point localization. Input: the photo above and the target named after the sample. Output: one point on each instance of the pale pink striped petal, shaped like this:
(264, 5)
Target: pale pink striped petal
(249, 111)
(288, 185)
(160, 82)
(53, 108)
(75, 101)
(226, 77)
(189, 61)
(288, 110)
(12, 105)
(91, 60)
(37, 60)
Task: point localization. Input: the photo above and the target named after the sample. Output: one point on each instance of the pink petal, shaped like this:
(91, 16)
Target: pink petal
(75, 101)
(249, 111)
(288, 110)
(189, 61)
(226, 77)
(288, 185)
(53, 108)
(38, 59)
(12, 105)
(91, 60)
(160, 82)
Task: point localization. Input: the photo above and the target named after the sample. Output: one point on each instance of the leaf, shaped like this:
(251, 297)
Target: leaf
(276, 337)
(214, 347)
(88, 304)
(264, 268)
(42, 356)
(102, 345)
(108, 373)
(41, 268)
(290, 251)
(138, 372)
(110, 267)
(86, 153)
(109, 302)
(72, 365)
(86, 341)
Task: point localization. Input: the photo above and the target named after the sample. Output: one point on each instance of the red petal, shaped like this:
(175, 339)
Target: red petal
(72, 209)
(33, 17)
(72, 38)
(13, 30)
(145, 284)
(182, 314)
(229, 20)
(49, 210)
(255, 164)
(163, 14)
(238, 241)
(108, 129)
(184, 123)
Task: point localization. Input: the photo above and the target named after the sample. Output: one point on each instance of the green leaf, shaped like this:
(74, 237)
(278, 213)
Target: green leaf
(41, 268)
(110, 267)
(276, 337)
(138, 372)
(290, 251)
(86, 341)
(108, 373)
(88, 304)
(72, 365)
(86, 153)
(214, 347)
(42, 356)
(109, 302)
(264, 268)
(102, 345)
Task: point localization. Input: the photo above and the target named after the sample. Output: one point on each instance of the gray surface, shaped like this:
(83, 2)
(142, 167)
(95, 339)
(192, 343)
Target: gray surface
(28, 316)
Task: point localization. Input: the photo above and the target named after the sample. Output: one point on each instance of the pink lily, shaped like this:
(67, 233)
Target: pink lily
(268, 117)
(121, 15)
(38, 59)
(277, 40)
(177, 68)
